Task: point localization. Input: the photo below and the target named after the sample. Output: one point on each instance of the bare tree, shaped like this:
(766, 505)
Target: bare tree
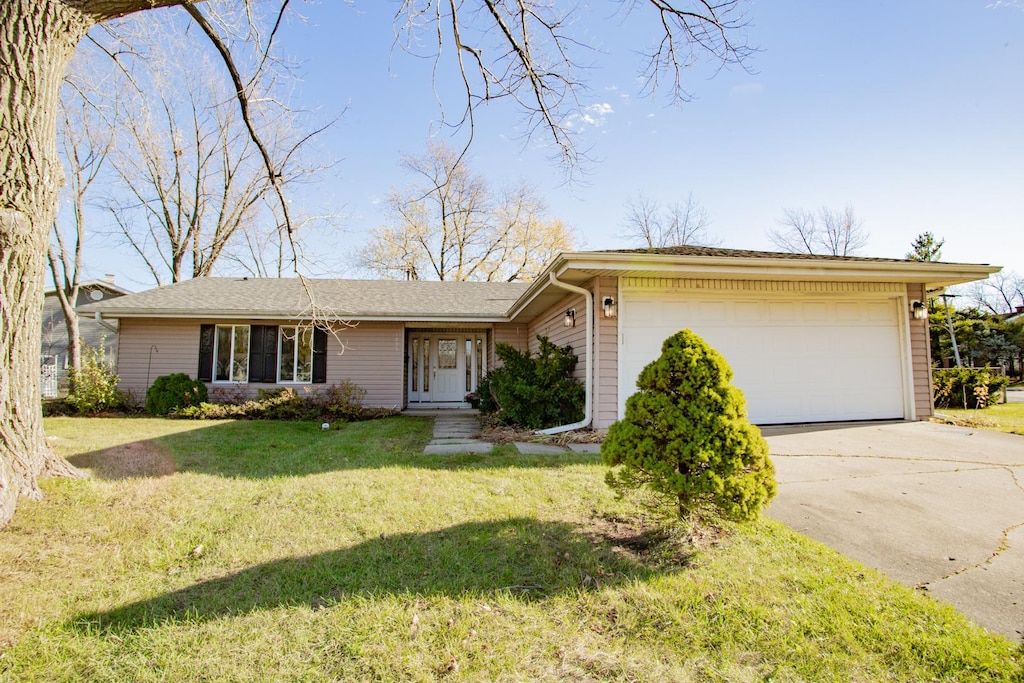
(189, 179)
(531, 66)
(449, 225)
(649, 224)
(85, 137)
(999, 293)
(827, 232)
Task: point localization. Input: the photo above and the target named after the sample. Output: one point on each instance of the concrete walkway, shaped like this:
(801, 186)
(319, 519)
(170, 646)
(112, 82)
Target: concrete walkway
(458, 431)
(455, 431)
(936, 507)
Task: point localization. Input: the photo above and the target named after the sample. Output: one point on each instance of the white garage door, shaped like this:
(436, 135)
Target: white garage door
(795, 360)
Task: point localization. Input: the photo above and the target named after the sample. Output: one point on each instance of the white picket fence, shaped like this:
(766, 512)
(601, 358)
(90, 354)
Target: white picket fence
(48, 380)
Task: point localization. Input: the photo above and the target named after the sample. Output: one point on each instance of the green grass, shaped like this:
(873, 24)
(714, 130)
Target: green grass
(263, 551)
(1006, 417)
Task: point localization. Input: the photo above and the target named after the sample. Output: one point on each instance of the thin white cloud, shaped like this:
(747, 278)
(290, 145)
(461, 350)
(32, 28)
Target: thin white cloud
(593, 115)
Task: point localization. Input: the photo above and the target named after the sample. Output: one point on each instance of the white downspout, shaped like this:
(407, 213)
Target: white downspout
(587, 408)
(99, 319)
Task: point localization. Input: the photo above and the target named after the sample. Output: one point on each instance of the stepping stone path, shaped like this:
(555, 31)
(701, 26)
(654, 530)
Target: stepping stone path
(456, 431)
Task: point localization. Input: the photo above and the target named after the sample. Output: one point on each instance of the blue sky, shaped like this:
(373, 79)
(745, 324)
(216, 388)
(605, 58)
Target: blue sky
(910, 111)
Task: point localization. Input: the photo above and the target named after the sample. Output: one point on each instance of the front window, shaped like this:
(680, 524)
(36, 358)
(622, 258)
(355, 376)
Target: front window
(231, 349)
(295, 355)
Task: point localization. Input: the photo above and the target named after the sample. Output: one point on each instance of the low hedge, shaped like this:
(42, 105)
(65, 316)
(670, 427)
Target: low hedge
(337, 403)
(966, 387)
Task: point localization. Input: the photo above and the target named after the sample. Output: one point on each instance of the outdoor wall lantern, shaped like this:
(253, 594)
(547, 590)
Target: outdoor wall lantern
(570, 318)
(919, 309)
(611, 309)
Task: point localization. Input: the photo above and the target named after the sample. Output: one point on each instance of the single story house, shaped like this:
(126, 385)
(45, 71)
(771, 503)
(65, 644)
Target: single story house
(810, 338)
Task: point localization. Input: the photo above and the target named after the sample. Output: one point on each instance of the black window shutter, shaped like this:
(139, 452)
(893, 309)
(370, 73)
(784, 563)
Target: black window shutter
(270, 353)
(206, 336)
(263, 353)
(256, 353)
(319, 356)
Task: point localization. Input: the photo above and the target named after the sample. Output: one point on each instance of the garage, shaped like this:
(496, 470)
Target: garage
(797, 356)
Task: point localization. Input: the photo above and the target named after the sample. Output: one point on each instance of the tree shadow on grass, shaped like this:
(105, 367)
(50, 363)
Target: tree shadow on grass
(264, 449)
(524, 557)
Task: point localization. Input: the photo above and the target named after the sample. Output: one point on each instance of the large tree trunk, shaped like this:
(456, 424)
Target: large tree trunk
(37, 39)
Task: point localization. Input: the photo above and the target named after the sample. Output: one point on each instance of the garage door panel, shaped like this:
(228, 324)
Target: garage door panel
(795, 361)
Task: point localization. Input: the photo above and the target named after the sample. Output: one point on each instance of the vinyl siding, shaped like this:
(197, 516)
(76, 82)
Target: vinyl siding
(606, 354)
(551, 324)
(515, 335)
(373, 357)
(369, 354)
(921, 361)
(148, 348)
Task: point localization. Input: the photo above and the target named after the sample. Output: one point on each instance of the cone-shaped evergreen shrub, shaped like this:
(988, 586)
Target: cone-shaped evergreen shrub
(686, 435)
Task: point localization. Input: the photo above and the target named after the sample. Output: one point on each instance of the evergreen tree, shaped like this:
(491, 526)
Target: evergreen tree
(925, 247)
(686, 435)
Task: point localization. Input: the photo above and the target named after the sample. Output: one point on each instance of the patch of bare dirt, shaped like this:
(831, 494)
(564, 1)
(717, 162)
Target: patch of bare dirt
(506, 434)
(129, 461)
(651, 540)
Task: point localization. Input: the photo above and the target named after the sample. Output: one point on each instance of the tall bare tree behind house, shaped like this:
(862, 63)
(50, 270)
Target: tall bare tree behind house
(826, 232)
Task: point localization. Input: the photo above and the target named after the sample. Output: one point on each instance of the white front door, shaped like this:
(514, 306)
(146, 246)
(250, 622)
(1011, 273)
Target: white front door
(445, 367)
(449, 370)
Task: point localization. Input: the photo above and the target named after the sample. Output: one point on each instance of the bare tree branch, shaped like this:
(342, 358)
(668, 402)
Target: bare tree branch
(828, 232)
(650, 225)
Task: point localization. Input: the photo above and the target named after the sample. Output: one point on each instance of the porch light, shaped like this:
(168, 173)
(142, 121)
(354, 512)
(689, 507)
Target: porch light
(919, 309)
(611, 309)
(570, 318)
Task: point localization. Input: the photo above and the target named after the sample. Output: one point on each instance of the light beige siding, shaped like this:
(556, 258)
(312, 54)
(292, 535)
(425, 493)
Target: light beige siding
(921, 358)
(551, 324)
(515, 335)
(369, 354)
(606, 354)
(148, 348)
(374, 358)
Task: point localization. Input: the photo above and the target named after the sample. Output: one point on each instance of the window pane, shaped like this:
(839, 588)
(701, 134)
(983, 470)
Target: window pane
(286, 360)
(240, 366)
(479, 359)
(223, 356)
(304, 355)
(426, 365)
(469, 365)
(446, 352)
(415, 364)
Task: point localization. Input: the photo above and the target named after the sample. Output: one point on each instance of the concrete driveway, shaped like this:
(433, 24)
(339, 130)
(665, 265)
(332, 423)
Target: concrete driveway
(936, 507)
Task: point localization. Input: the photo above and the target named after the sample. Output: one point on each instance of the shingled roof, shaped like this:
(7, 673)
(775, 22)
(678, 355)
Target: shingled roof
(719, 252)
(205, 297)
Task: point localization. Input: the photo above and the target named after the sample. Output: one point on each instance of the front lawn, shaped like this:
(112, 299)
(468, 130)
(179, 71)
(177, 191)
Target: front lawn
(1006, 417)
(265, 551)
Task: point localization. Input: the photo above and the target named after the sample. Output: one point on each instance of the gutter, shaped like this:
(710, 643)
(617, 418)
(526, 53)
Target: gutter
(587, 407)
(99, 319)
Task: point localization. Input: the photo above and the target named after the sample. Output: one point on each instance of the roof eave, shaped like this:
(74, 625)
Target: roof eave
(590, 264)
(166, 314)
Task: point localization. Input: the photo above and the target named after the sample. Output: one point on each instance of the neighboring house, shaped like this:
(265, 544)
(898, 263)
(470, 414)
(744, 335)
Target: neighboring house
(810, 338)
(55, 360)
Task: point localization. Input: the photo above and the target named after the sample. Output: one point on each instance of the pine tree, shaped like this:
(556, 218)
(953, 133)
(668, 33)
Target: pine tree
(686, 435)
(925, 248)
